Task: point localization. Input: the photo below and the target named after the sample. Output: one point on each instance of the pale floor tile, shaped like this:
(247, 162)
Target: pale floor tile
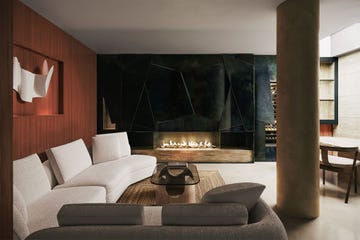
(337, 220)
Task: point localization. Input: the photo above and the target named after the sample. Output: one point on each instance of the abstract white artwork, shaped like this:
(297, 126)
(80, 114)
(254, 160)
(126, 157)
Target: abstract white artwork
(30, 85)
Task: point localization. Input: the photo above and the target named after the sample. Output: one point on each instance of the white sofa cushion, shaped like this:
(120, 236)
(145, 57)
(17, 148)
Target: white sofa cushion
(43, 213)
(69, 159)
(19, 224)
(19, 203)
(30, 178)
(124, 142)
(106, 149)
(115, 175)
(129, 179)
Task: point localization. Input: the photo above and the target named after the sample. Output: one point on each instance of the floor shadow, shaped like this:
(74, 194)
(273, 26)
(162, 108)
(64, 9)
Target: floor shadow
(295, 226)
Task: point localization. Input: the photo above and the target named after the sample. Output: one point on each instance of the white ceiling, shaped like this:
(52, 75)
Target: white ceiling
(182, 26)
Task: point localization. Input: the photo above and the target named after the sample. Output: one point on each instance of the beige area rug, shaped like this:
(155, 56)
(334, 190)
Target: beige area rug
(144, 192)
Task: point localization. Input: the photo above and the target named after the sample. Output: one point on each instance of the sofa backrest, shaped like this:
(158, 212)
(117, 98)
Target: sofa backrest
(30, 178)
(19, 204)
(30, 183)
(20, 227)
(123, 138)
(68, 160)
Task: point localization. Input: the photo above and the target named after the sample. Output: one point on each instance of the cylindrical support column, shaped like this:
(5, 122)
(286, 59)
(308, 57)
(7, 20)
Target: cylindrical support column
(297, 108)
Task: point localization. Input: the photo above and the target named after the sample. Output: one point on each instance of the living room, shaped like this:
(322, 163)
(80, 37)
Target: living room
(195, 86)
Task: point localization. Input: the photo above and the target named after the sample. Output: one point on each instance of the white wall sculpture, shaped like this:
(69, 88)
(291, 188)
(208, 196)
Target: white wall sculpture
(30, 85)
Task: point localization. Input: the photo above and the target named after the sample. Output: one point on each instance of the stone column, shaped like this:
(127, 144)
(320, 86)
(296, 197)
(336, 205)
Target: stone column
(297, 106)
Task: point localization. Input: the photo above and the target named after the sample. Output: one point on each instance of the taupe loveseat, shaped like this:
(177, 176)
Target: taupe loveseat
(208, 221)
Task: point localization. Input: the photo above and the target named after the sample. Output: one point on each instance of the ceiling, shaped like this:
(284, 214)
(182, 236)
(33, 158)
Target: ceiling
(182, 26)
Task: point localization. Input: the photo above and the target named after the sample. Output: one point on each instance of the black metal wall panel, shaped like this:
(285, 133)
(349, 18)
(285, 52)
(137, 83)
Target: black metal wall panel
(211, 92)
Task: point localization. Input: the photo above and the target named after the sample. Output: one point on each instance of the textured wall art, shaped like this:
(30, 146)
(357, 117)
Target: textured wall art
(30, 85)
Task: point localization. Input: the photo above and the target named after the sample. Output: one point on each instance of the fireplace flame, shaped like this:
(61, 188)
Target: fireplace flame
(188, 144)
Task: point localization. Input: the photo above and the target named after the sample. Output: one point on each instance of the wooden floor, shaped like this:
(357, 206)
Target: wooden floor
(144, 192)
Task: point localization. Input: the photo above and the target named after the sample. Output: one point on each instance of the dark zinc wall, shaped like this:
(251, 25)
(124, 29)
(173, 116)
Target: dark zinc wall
(145, 93)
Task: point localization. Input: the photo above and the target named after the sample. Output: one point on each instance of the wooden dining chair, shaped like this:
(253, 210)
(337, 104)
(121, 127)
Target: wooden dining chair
(340, 164)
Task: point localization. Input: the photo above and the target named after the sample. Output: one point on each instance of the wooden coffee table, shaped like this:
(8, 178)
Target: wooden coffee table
(145, 192)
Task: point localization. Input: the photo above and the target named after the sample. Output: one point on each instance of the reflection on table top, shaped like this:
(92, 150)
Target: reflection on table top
(165, 174)
(340, 142)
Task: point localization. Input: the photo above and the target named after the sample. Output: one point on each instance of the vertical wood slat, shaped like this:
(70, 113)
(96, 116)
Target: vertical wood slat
(34, 134)
(6, 119)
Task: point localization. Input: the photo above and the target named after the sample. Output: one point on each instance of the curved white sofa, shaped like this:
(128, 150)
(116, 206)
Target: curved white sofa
(115, 176)
(71, 176)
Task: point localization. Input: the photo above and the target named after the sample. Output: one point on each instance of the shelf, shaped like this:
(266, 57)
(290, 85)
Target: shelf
(328, 90)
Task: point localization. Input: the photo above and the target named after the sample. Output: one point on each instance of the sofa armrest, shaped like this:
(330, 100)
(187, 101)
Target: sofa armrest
(100, 214)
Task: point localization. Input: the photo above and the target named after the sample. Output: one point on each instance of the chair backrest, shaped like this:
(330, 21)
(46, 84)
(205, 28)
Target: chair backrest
(326, 149)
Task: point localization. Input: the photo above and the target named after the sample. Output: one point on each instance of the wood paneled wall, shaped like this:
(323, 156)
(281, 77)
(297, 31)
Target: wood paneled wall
(5, 119)
(35, 133)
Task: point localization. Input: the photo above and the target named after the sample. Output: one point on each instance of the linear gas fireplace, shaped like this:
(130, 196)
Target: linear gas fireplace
(186, 140)
(196, 147)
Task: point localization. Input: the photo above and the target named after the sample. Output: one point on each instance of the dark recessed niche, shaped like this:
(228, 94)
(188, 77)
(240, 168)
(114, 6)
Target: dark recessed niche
(141, 139)
(243, 140)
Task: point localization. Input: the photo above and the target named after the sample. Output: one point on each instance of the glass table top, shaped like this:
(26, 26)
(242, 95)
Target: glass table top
(175, 174)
